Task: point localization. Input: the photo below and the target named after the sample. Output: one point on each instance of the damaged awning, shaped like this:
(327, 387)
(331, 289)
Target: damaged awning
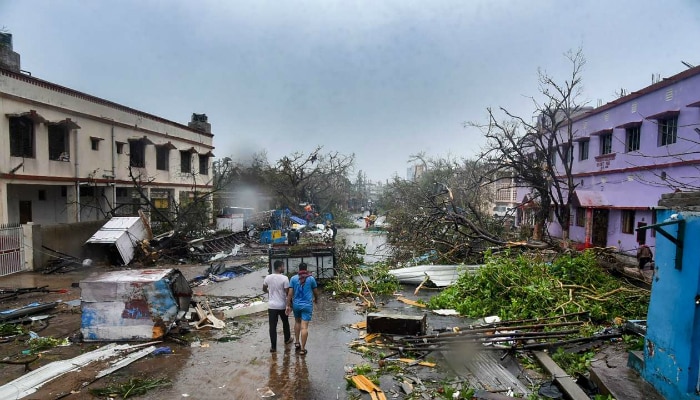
(66, 123)
(590, 199)
(31, 114)
(611, 200)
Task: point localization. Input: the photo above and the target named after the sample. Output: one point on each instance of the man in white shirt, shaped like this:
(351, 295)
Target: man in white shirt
(276, 285)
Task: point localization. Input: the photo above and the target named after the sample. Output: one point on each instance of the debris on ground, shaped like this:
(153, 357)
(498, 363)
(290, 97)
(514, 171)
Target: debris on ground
(29, 309)
(363, 383)
(30, 382)
(60, 262)
(206, 319)
(265, 392)
(130, 388)
(398, 324)
(410, 302)
(11, 293)
(220, 272)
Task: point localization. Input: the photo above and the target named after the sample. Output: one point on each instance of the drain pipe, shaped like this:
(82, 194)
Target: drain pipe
(77, 176)
(114, 174)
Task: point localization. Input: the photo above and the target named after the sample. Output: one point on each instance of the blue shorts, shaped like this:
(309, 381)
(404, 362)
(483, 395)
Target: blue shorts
(303, 312)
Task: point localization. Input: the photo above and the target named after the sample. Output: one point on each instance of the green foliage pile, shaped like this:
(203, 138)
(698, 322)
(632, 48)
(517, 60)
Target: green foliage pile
(525, 286)
(44, 343)
(11, 329)
(130, 388)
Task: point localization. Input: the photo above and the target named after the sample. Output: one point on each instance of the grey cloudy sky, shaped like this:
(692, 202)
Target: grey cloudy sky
(381, 79)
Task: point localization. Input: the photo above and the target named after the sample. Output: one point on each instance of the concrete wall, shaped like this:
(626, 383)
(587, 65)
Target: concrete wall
(67, 238)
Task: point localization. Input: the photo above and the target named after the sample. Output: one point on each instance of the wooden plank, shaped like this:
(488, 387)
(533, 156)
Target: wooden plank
(565, 381)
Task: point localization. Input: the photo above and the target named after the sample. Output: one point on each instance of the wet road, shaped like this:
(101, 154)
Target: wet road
(237, 370)
(244, 368)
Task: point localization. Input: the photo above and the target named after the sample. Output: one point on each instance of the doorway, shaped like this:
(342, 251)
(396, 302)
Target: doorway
(25, 212)
(600, 228)
(641, 234)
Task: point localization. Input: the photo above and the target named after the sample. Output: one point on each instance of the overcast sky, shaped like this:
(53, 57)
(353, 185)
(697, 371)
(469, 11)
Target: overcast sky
(380, 79)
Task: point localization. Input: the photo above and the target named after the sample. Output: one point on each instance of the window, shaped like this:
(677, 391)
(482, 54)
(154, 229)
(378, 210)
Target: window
(21, 137)
(95, 143)
(87, 191)
(668, 131)
(628, 221)
(122, 192)
(580, 216)
(42, 195)
(583, 150)
(64, 191)
(203, 165)
(606, 144)
(137, 153)
(58, 143)
(632, 140)
(120, 147)
(162, 158)
(185, 161)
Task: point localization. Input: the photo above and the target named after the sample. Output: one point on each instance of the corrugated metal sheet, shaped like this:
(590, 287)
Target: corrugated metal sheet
(133, 304)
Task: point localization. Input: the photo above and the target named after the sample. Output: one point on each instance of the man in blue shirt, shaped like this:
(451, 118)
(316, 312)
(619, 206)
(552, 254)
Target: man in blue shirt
(301, 297)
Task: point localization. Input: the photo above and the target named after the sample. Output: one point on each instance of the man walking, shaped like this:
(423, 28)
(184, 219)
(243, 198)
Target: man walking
(276, 285)
(302, 295)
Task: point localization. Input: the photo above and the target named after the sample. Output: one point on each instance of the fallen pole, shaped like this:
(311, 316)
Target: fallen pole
(523, 321)
(564, 380)
(523, 335)
(494, 329)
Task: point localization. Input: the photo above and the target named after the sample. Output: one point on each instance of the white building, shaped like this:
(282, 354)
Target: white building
(65, 155)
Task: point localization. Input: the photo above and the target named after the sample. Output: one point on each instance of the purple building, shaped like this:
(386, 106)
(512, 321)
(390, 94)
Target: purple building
(626, 154)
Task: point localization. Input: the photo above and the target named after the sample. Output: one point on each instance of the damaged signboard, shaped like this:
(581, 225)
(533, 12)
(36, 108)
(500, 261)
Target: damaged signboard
(133, 304)
(118, 237)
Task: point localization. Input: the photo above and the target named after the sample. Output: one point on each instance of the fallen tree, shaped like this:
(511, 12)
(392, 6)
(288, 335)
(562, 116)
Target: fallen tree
(529, 286)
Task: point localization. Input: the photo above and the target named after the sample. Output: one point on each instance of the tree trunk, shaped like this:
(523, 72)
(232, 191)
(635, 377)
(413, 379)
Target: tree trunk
(537, 231)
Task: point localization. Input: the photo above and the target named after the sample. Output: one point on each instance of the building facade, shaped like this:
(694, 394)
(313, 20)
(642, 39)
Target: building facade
(67, 156)
(629, 152)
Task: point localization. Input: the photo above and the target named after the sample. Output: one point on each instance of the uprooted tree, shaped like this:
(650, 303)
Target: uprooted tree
(539, 155)
(444, 212)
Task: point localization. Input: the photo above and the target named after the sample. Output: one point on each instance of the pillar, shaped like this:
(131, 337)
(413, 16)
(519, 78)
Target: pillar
(4, 199)
(32, 246)
(589, 227)
(72, 206)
